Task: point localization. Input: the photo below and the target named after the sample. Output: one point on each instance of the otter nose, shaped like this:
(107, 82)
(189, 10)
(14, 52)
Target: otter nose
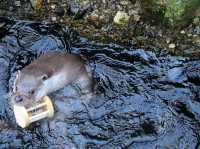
(18, 98)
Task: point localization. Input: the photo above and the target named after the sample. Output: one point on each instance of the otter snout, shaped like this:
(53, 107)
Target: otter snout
(20, 99)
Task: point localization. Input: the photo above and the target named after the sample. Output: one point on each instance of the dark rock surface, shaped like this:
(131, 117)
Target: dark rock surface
(143, 99)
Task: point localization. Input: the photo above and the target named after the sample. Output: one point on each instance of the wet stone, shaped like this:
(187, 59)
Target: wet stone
(193, 72)
(142, 99)
(176, 75)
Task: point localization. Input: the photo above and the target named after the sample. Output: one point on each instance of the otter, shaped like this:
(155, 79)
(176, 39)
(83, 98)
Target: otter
(49, 73)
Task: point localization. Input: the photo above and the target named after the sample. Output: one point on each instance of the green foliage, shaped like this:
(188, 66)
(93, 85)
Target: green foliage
(175, 12)
(180, 10)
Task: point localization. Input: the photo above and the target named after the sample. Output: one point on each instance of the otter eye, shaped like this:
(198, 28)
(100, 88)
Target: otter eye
(31, 92)
(44, 77)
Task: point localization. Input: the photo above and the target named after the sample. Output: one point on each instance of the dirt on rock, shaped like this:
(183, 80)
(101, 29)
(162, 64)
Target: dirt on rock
(94, 20)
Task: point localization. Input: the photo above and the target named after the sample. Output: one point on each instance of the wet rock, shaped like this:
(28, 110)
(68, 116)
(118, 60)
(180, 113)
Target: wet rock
(121, 18)
(33, 3)
(196, 20)
(197, 12)
(37, 4)
(57, 9)
(2, 24)
(17, 3)
(79, 9)
(3, 125)
(197, 30)
(136, 17)
(193, 73)
(9, 139)
(182, 32)
(176, 75)
(196, 39)
(99, 19)
(172, 45)
(141, 55)
(132, 107)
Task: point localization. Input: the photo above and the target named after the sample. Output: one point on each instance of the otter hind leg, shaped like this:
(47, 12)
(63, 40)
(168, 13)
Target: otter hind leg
(83, 85)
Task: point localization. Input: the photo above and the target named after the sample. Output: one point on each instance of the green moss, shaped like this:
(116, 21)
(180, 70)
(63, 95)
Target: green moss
(83, 2)
(175, 12)
(179, 11)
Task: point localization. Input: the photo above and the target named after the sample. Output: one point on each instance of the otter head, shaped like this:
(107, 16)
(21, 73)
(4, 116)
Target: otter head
(29, 87)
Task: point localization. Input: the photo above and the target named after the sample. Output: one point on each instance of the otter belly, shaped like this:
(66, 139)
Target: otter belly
(56, 82)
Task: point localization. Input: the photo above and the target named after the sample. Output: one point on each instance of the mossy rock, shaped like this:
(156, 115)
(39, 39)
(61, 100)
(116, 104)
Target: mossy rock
(174, 12)
(121, 18)
(180, 11)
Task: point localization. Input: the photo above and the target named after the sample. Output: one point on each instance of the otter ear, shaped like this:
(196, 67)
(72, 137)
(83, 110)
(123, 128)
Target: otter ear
(44, 77)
